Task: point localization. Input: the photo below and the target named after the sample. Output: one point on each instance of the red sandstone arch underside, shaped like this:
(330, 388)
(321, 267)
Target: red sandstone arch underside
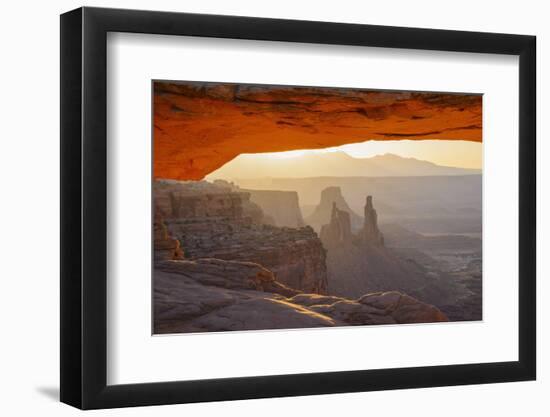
(198, 127)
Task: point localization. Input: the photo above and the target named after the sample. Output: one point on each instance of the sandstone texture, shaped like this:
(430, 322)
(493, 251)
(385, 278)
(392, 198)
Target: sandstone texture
(278, 208)
(199, 200)
(296, 256)
(166, 247)
(214, 221)
(227, 274)
(198, 127)
(370, 232)
(207, 295)
(338, 231)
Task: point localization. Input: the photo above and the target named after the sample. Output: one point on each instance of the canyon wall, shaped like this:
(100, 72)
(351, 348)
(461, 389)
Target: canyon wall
(199, 200)
(370, 232)
(296, 256)
(281, 206)
(165, 246)
(218, 270)
(214, 221)
(359, 263)
(442, 204)
(338, 231)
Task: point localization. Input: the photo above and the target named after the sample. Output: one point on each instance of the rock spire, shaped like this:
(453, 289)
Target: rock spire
(338, 231)
(370, 232)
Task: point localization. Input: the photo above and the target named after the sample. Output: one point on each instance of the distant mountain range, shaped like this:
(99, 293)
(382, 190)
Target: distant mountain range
(333, 164)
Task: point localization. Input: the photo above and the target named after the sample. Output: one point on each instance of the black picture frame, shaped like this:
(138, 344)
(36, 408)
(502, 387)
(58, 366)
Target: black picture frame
(84, 207)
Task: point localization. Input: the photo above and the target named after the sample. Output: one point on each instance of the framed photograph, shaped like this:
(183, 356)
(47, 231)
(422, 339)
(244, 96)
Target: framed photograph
(260, 208)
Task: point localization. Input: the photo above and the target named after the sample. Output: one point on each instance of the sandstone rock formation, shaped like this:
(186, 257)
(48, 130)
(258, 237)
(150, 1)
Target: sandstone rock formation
(212, 221)
(198, 127)
(338, 231)
(323, 212)
(442, 204)
(403, 308)
(360, 263)
(201, 199)
(281, 206)
(370, 232)
(214, 295)
(192, 199)
(228, 274)
(296, 256)
(375, 308)
(165, 246)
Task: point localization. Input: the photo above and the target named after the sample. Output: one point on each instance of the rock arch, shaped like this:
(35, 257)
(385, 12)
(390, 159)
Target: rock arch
(198, 127)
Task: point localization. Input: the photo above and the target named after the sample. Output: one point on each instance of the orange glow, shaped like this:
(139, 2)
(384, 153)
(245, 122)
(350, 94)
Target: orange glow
(198, 127)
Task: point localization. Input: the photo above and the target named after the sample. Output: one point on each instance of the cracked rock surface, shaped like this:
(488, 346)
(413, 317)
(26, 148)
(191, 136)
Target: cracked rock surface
(208, 295)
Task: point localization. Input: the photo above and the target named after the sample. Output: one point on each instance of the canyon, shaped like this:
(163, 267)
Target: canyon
(360, 263)
(423, 204)
(442, 270)
(372, 239)
(222, 264)
(217, 221)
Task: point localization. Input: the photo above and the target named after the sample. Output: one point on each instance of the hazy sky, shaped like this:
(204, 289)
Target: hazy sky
(371, 158)
(462, 154)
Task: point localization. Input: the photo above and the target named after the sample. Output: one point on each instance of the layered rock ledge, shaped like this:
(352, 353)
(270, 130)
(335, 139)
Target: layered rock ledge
(215, 221)
(207, 295)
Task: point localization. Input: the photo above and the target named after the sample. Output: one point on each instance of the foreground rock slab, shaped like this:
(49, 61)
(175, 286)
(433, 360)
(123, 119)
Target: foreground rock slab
(213, 295)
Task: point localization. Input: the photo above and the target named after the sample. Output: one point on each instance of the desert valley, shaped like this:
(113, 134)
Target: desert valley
(279, 253)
